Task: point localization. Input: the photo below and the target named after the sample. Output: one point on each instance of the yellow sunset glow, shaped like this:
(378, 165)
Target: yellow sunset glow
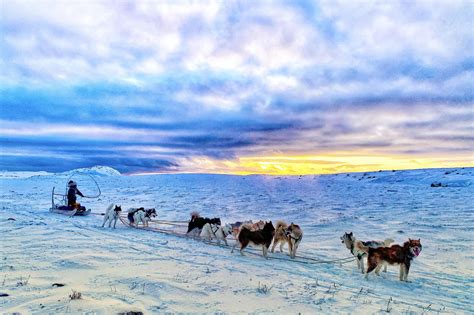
(341, 162)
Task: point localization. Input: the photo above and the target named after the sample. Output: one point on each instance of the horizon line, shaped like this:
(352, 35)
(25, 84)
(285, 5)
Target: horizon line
(290, 174)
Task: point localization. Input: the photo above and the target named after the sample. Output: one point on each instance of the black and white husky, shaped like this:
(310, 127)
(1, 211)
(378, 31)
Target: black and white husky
(214, 231)
(112, 214)
(137, 215)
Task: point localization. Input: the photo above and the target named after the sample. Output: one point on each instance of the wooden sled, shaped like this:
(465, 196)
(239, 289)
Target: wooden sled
(62, 208)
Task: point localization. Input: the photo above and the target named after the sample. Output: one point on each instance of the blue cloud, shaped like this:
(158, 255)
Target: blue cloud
(225, 80)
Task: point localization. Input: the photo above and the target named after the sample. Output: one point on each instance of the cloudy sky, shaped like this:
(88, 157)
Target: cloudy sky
(293, 87)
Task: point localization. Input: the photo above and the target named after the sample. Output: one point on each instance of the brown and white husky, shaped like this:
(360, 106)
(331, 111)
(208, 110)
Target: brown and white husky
(394, 255)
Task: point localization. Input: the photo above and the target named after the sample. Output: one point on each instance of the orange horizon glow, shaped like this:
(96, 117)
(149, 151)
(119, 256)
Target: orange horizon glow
(312, 164)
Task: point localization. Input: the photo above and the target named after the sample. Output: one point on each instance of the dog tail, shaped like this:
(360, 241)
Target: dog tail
(280, 224)
(109, 207)
(387, 242)
(360, 246)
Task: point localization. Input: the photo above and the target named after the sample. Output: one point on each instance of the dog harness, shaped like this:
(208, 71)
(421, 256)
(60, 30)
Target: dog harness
(148, 213)
(359, 256)
(296, 239)
(223, 232)
(217, 229)
(288, 234)
(214, 232)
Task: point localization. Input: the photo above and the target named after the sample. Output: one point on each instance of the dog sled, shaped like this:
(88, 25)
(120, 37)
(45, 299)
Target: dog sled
(59, 202)
(60, 206)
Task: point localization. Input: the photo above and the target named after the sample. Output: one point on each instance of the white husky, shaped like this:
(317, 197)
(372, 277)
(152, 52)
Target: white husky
(112, 214)
(214, 231)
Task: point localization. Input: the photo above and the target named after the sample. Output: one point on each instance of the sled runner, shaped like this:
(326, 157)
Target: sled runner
(62, 208)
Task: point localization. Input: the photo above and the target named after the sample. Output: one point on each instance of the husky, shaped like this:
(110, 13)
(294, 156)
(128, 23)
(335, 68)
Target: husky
(214, 231)
(280, 235)
(294, 235)
(197, 222)
(262, 237)
(137, 215)
(112, 215)
(359, 248)
(393, 255)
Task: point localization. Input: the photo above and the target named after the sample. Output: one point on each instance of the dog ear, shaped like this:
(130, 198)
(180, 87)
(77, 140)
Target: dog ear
(419, 239)
(409, 239)
(350, 233)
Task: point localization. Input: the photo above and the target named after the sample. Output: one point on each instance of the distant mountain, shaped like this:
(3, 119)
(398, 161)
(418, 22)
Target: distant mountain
(97, 170)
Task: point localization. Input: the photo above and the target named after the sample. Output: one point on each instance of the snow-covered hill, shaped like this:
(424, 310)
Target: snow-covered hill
(127, 269)
(94, 171)
(452, 177)
(22, 174)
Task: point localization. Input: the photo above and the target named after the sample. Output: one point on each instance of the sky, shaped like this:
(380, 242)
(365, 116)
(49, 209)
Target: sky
(238, 87)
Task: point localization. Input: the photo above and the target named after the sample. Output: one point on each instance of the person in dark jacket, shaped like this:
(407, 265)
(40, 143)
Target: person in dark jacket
(71, 195)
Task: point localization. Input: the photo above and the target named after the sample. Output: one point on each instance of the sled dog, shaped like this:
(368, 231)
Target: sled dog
(112, 214)
(137, 215)
(214, 231)
(291, 234)
(294, 235)
(359, 248)
(197, 222)
(280, 235)
(262, 237)
(394, 255)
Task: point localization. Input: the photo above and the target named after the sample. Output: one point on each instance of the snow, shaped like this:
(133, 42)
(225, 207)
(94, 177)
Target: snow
(21, 174)
(98, 170)
(135, 270)
(93, 171)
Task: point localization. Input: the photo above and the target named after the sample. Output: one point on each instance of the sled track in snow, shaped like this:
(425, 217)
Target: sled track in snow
(300, 258)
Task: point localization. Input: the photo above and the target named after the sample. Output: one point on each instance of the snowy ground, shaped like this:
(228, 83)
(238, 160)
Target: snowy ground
(134, 270)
